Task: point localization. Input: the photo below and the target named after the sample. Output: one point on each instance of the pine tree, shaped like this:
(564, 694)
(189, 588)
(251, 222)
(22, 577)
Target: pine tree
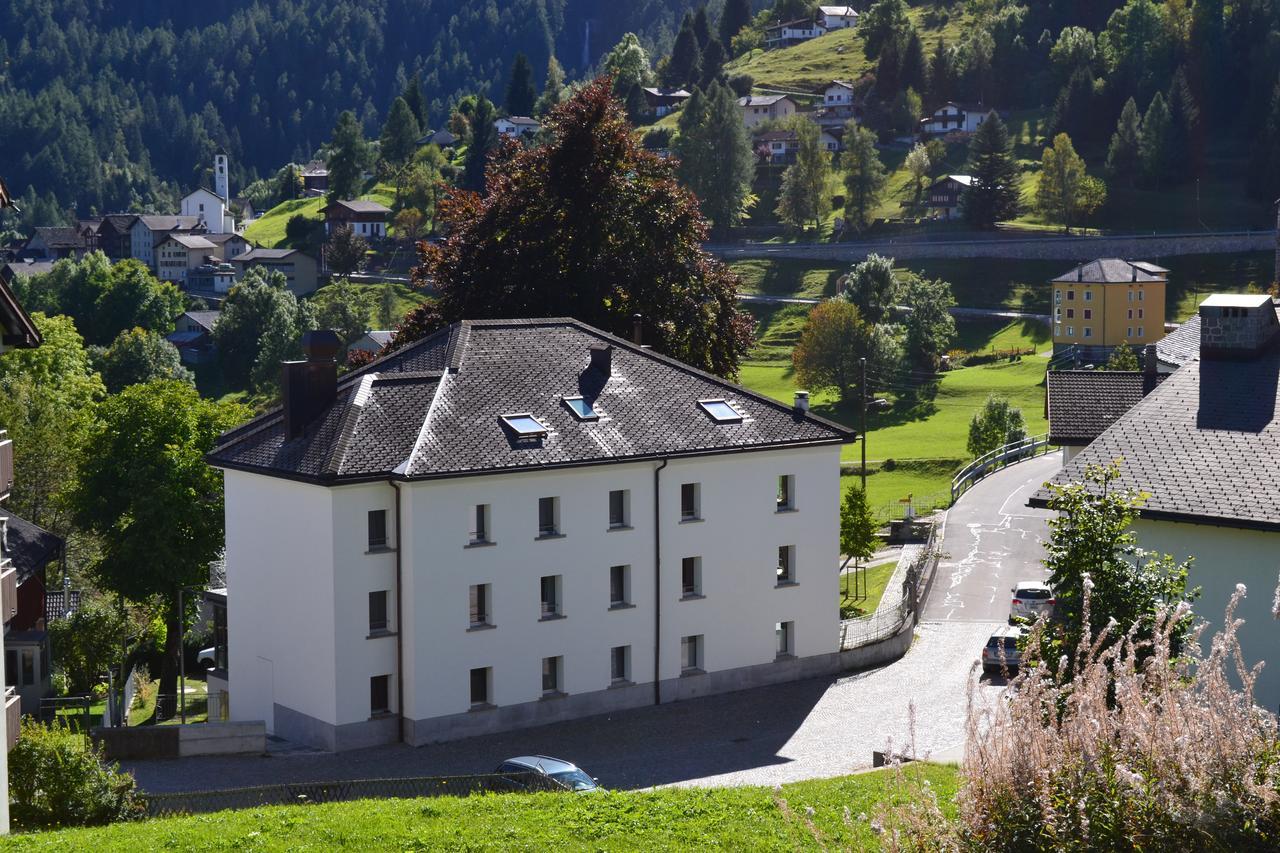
(993, 196)
(1153, 146)
(1073, 112)
(941, 73)
(1264, 162)
(713, 59)
(736, 15)
(889, 70)
(553, 91)
(702, 28)
(684, 65)
(520, 91)
(1123, 155)
(484, 138)
(716, 160)
(803, 197)
(414, 98)
(1184, 116)
(1067, 193)
(915, 68)
(347, 158)
(400, 133)
(865, 177)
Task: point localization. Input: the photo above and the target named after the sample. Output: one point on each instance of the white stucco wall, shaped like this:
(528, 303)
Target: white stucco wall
(209, 207)
(1225, 556)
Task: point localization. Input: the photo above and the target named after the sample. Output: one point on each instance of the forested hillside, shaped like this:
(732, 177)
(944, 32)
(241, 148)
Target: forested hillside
(120, 104)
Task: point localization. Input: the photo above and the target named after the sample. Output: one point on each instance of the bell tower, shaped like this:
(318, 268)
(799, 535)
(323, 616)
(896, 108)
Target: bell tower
(220, 178)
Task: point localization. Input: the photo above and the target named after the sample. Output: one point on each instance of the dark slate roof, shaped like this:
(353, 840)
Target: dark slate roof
(1107, 271)
(28, 547)
(121, 222)
(1205, 444)
(1083, 403)
(58, 237)
(205, 319)
(362, 205)
(433, 410)
(223, 238)
(169, 223)
(265, 254)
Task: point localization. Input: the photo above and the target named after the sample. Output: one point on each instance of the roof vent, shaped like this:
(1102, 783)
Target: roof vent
(309, 387)
(637, 329)
(602, 360)
(802, 401)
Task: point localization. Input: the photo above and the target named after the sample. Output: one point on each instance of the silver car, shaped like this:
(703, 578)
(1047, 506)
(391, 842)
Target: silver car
(1031, 599)
(564, 772)
(1001, 651)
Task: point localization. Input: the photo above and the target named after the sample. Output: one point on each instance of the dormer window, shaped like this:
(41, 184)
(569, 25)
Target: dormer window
(582, 410)
(525, 425)
(721, 411)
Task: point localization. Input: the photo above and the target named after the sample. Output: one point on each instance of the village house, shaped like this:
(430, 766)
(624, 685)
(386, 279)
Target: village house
(210, 211)
(782, 145)
(366, 219)
(442, 138)
(663, 101)
(952, 117)
(1203, 447)
(372, 341)
(227, 246)
(50, 243)
(523, 521)
(178, 253)
(789, 33)
(113, 235)
(943, 196)
(299, 269)
(757, 109)
(517, 127)
(1104, 303)
(212, 280)
(315, 178)
(29, 551)
(837, 93)
(149, 231)
(837, 17)
(16, 269)
(192, 335)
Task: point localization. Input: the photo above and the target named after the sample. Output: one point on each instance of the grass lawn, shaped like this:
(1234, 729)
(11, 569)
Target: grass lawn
(877, 578)
(391, 301)
(926, 481)
(268, 230)
(745, 818)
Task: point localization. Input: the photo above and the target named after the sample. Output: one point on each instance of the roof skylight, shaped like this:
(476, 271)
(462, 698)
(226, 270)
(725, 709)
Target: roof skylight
(525, 425)
(582, 410)
(721, 412)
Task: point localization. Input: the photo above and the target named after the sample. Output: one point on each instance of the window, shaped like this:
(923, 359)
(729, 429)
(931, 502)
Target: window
(1057, 313)
(785, 633)
(1057, 330)
(1130, 314)
(479, 605)
(525, 426)
(582, 410)
(1071, 313)
(689, 501)
(377, 529)
(1128, 332)
(480, 525)
(378, 611)
(1088, 296)
(786, 564)
(691, 653)
(691, 577)
(1071, 294)
(1139, 295)
(619, 506)
(620, 664)
(1088, 313)
(1130, 295)
(1088, 332)
(11, 668)
(551, 674)
(619, 586)
(1057, 295)
(721, 412)
(380, 695)
(551, 596)
(548, 517)
(1071, 331)
(786, 492)
(1140, 333)
(481, 683)
(1139, 313)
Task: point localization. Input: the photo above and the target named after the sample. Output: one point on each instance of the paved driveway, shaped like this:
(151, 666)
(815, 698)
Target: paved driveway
(992, 540)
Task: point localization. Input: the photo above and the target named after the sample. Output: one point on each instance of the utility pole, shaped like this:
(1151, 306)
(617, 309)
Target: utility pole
(862, 390)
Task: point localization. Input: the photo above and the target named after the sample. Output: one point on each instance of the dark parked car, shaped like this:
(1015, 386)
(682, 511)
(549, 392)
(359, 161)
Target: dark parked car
(1001, 651)
(566, 773)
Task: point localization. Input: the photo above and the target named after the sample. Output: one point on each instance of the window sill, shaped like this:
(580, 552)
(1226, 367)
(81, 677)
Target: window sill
(695, 596)
(785, 509)
(480, 543)
(552, 695)
(555, 617)
(617, 528)
(484, 626)
(377, 635)
(381, 549)
(692, 672)
(783, 584)
(477, 707)
(694, 520)
(618, 684)
(623, 606)
(543, 536)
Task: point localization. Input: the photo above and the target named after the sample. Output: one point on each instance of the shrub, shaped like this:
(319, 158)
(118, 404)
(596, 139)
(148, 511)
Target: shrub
(57, 778)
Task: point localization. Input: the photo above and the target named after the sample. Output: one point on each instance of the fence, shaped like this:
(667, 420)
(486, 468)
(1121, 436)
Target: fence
(199, 707)
(298, 793)
(897, 510)
(901, 597)
(1014, 451)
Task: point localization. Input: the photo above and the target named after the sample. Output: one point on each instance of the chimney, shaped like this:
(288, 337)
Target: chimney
(1134, 270)
(637, 329)
(602, 360)
(308, 387)
(1237, 326)
(1150, 369)
(802, 402)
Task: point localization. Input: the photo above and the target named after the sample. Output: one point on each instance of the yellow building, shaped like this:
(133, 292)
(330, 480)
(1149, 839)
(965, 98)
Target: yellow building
(1099, 305)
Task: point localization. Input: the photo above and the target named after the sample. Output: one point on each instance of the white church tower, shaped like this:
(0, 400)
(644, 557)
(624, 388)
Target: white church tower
(213, 209)
(221, 181)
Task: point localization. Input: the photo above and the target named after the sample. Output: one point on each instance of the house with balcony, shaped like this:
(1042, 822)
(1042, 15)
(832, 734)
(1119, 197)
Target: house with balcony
(789, 33)
(517, 522)
(953, 117)
(367, 219)
(943, 196)
(178, 254)
(757, 109)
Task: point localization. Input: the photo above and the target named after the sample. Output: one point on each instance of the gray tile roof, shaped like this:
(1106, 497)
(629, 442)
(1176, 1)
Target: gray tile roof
(1083, 403)
(1183, 343)
(265, 254)
(433, 410)
(169, 223)
(1107, 271)
(29, 547)
(205, 319)
(1205, 445)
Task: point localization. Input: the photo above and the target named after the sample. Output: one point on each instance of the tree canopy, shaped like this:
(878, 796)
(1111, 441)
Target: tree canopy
(714, 150)
(993, 195)
(348, 157)
(521, 93)
(261, 324)
(138, 356)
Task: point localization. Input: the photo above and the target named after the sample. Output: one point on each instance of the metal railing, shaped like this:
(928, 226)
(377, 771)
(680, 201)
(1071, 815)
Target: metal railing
(299, 793)
(1007, 454)
(901, 598)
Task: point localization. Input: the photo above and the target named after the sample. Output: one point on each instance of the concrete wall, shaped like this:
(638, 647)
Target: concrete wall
(241, 738)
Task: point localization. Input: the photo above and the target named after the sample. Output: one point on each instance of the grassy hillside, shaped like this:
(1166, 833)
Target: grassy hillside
(268, 230)
(817, 815)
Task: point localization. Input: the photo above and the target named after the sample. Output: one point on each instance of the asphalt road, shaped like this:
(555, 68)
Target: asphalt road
(991, 540)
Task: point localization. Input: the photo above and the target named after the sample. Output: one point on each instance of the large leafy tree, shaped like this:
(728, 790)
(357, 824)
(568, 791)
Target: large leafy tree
(147, 492)
(993, 195)
(592, 226)
(803, 198)
(261, 324)
(886, 21)
(996, 424)
(344, 308)
(830, 349)
(1067, 193)
(857, 526)
(864, 177)
(930, 328)
(348, 157)
(714, 150)
(628, 64)
(133, 298)
(346, 251)
(399, 133)
(138, 356)
(873, 287)
(521, 93)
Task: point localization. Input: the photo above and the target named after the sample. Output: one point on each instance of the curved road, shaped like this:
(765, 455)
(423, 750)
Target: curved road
(991, 540)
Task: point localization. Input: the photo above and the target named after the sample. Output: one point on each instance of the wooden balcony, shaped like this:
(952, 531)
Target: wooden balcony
(12, 717)
(6, 464)
(8, 591)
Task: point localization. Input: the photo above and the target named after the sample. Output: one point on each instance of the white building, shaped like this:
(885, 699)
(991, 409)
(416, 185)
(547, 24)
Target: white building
(837, 17)
(514, 522)
(517, 126)
(791, 33)
(757, 109)
(837, 93)
(210, 210)
(952, 117)
(148, 232)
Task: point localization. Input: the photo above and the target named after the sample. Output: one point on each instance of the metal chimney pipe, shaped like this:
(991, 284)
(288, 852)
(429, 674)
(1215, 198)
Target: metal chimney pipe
(637, 329)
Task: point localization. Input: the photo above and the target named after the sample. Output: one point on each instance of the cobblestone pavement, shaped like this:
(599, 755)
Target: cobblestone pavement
(807, 729)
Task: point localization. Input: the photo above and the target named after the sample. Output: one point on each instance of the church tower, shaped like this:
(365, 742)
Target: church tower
(221, 180)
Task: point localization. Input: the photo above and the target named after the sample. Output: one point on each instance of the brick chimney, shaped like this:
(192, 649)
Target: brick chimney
(1237, 325)
(308, 387)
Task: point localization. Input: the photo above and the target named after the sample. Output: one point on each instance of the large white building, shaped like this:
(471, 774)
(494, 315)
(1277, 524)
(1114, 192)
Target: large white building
(515, 522)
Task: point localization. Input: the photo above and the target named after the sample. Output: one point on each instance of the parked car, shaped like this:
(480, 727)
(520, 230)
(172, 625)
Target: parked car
(208, 658)
(993, 659)
(565, 772)
(1030, 600)
(879, 404)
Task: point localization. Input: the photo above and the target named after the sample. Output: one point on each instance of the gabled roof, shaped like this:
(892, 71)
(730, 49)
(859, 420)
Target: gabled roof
(963, 180)
(1147, 266)
(381, 337)
(1182, 345)
(189, 241)
(169, 223)
(315, 169)
(524, 121)
(1205, 444)
(204, 319)
(796, 23)
(360, 206)
(19, 329)
(29, 547)
(219, 239)
(1106, 271)
(779, 136)
(265, 255)
(761, 100)
(666, 93)
(24, 266)
(119, 222)
(847, 11)
(433, 409)
(1083, 403)
(844, 84)
(58, 237)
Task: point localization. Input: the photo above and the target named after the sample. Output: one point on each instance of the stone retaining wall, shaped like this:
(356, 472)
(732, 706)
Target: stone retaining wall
(239, 738)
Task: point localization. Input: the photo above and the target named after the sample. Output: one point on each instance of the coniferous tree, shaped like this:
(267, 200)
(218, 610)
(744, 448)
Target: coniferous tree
(1184, 116)
(994, 195)
(1153, 146)
(881, 24)
(713, 59)
(865, 176)
(414, 98)
(684, 66)
(484, 138)
(400, 133)
(941, 73)
(915, 68)
(347, 158)
(553, 90)
(520, 91)
(736, 15)
(1067, 193)
(803, 197)
(716, 160)
(1073, 112)
(702, 28)
(1124, 153)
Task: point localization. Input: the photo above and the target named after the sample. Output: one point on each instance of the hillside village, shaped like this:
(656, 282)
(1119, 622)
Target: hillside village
(784, 426)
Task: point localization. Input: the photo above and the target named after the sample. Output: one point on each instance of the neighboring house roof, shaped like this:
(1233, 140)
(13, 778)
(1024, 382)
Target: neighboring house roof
(522, 121)
(1205, 444)
(761, 100)
(204, 319)
(1147, 266)
(1183, 344)
(795, 24)
(219, 239)
(1106, 271)
(190, 241)
(29, 547)
(779, 136)
(186, 339)
(315, 169)
(381, 337)
(19, 330)
(846, 11)
(433, 409)
(666, 93)
(265, 254)
(1081, 404)
(963, 180)
(841, 83)
(58, 237)
(121, 222)
(361, 206)
(440, 137)
(169, 223)
(27, 267)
